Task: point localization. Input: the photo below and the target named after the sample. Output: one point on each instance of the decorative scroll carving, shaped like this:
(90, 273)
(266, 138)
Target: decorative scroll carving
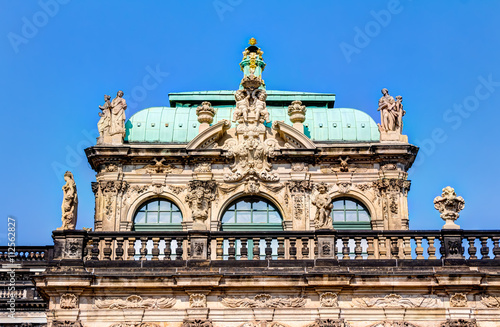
(328, 300)
(449, 205)
(329, 323)
(344, 187)
(68, 301)
(300, 186)
(69, 205)
(490, 301)
(458, 300)
(344, 167)
(135, 301)
(323, 203)
(392, 185)
(395, 301)
(197, 300)
(176, 189)
(460, 323)
(159, 167)
(299, 167)
(227, 188)
(203, 167)
(264, 301)
(196, 323)
(200, 194)
(363, 187)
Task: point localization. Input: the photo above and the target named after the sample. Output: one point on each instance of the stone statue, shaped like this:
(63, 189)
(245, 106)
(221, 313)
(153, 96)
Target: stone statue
(399, 113)
(104, 123)
(324, 206)
(242, 106)
(118, 106)
(261, 113)
(70, 203)
(386, 106)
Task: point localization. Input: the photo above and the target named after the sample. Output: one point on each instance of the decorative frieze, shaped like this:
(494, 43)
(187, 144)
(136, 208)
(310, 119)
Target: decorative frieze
(66, 323)
(458, 300)
(135, 324)
(329, 323)
(264, 301)
(460, 323)
(197, 300)
(395, 301)
(135, 302)
(196, 323)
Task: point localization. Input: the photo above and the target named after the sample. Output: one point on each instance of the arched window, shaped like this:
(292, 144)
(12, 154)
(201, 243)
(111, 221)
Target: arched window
(158, 214)
(252, 213)
(348, 213)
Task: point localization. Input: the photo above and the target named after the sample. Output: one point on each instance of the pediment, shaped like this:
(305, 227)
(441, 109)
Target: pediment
(209, 137)
(293, 138)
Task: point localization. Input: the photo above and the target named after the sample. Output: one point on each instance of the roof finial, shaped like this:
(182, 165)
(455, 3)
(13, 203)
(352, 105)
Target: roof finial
(253, 63)
(252, 41)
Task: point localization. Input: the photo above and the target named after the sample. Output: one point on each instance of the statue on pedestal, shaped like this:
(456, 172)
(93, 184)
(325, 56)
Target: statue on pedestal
(391, 117)
(69, 205)
(118, 106)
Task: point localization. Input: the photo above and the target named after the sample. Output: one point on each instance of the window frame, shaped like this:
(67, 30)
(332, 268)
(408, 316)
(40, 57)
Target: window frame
(251, 226)
(157, 226)
(360, 207)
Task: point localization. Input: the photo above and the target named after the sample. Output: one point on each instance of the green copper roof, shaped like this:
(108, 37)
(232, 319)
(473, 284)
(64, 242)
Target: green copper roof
(180, 125)
(274, 98)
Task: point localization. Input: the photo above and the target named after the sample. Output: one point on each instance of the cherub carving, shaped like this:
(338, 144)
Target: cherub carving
(260, 97)
(242, 105)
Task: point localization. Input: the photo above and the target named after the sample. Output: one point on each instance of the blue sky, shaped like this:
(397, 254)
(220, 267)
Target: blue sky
(59, 57)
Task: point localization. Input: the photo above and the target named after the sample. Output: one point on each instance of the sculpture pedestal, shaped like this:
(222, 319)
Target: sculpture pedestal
(393, 136)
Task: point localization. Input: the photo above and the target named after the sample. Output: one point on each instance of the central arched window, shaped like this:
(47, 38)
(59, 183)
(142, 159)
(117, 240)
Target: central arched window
(158, 214)
(349, 213)
(252, 213)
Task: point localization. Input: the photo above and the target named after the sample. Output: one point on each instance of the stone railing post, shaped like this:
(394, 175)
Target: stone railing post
(69, 244)
(199, 245)
(326, 244)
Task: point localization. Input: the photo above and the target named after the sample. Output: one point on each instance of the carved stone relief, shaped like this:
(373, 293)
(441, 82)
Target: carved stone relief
(200, 194)
(263, 323)
(135, 324)
(329, 323)
(323, 203)
(460, 323)
(196, 323)
(344, 187)
(458, 300)
(328, 300)
(490, 301)
(66, 323)
(264, 301)
(134, 301)
(393, 324)
(395, 301)
(197, 300)
(68, 301)
(299, 167)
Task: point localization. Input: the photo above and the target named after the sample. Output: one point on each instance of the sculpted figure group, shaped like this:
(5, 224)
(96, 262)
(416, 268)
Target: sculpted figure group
(254, 102)
(112, 120)
(391, 112)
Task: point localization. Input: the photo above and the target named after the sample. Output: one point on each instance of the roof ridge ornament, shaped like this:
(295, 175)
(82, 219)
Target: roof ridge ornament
(252, 62)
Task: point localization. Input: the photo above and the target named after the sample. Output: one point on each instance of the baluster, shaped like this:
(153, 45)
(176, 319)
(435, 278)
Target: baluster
(315, 246)
(394, 248)
(485, 250)
(472, 247)
(293, 248)
(345, 249)
(382, 250)
(144, 250)
(231, 251)
(244, 249)
(269, 249)
(357, 248)
(119, 248)
(131, 248)
(406, 247)
(496, 247)
(155, 251)
(168, 249)
(431, 250)
(281, 248)
(370, 250)
(419, 250)
(95, 248)
(256, 248)
(219, 250)
(87, 252)
(180, 248)
(107, 248)
(305, 247)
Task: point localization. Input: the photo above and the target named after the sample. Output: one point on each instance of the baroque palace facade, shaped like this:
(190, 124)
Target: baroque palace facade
(255, 208)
